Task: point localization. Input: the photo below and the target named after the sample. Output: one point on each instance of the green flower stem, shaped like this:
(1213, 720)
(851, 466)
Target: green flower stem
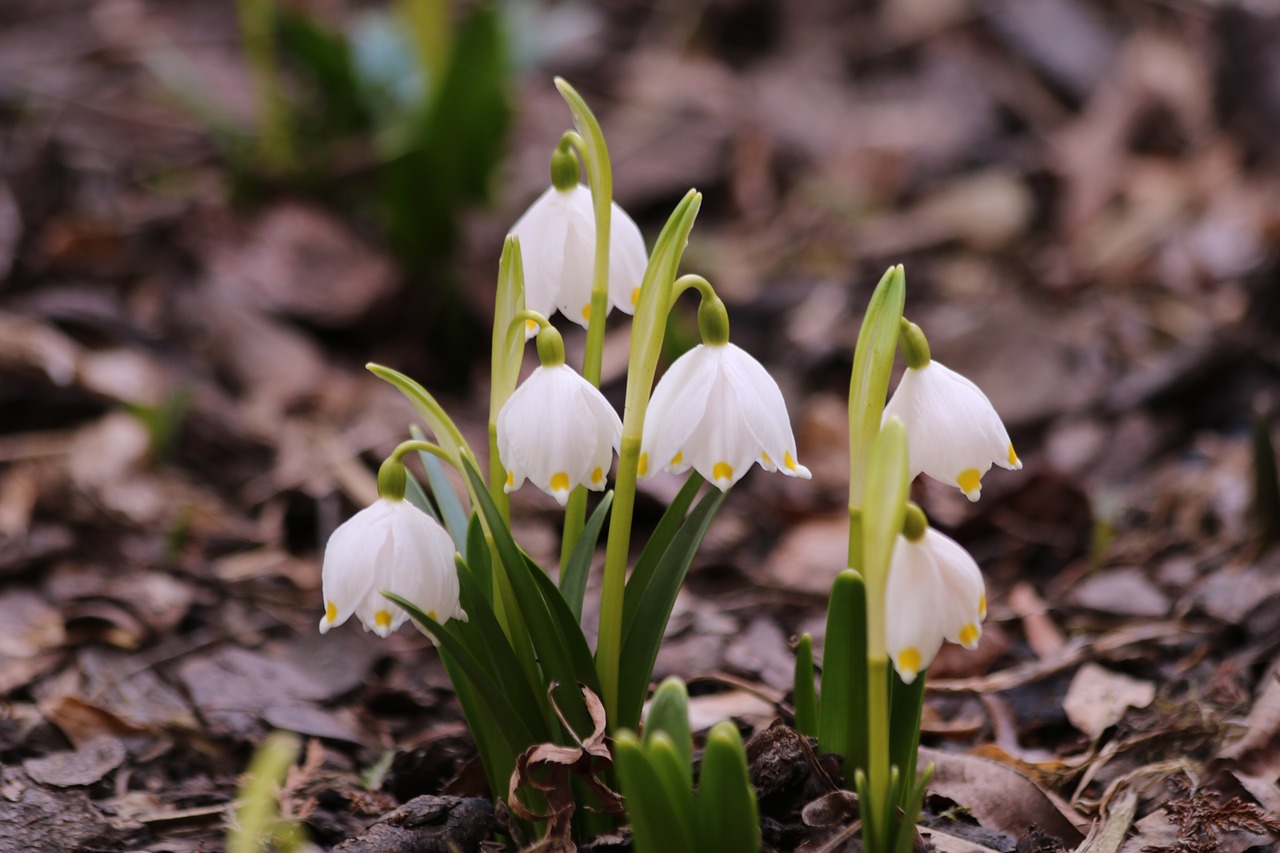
(594, 153)
(647, 332)
(507, 353)
(275, 145)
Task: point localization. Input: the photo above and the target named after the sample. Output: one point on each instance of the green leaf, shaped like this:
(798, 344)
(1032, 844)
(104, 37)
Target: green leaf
(573, 579)
(728, 816)
(568, 629)
(888, 484)
(659, 542)
(669, 714)
(640, 643)
(869, 383)
(416, 495)
(676, 778)
(911, 803)
(906, 705)
(478, 558)
(483, 633)
(842, 710)
(549, 631)
(805, 694)
(455, 517)
(655, 827)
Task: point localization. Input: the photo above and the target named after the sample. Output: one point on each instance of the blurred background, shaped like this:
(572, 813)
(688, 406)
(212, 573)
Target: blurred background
(213, 214)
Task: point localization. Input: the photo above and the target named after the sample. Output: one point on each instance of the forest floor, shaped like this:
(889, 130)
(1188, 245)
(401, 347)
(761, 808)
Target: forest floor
(1086, 198)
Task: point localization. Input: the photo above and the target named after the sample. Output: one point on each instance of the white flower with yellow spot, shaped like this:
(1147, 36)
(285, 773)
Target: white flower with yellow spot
(934, 592)
(718, 411)
(953, 432)
(559, 431)
(390, 545)
(558, 242)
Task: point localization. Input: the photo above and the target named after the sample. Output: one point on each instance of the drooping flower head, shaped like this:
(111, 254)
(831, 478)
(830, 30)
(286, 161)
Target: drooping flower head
(557, 429)
(934, 593)
(953, 432)
(389, 545)
(558, 240)
(718, 411)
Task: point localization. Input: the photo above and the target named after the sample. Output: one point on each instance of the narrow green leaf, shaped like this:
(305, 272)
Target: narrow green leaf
(482, 632)
(567, 627)
(547, 633)
(416, 495)
(728, 815)
(911, 803)
(573, 579)
(869, 383)
(668, 526)
(640, 643)
(842, 709)
(655, 826)
(669, 714)
(888, 486)
(676, 778)
(805, 693)
(906, 705)
(455, 517)
(478, 558)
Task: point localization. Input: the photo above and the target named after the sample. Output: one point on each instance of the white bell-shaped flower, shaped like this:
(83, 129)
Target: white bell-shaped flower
(558, 243)
(953, 432)
(717, 410)
(934, 592)
(394, 546)
(559, 431)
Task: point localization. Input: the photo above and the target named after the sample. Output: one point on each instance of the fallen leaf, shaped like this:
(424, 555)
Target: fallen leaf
(83, 766)
(999, 797)
(1124, 592)
(1098, 698)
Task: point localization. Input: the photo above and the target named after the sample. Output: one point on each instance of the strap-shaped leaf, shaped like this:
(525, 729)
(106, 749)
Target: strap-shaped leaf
(669, 714)
(640, 643)
(728, 816)
(567, 628)
(483, 633)
(454, 516)
(804, 693)
(677, 780)
(416, 495)
(548, 637)
(573, 579)
(478, 559)
(906, 705)
(842, 709)
(651, 554)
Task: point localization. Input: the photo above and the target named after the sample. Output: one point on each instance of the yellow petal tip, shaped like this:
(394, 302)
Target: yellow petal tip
(642, 465)
(382, 619)
(560, 482)
(330, 610)
(970, 482)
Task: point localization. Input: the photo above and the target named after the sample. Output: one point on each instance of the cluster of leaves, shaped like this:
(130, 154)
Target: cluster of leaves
(413, 108)
(656, 772)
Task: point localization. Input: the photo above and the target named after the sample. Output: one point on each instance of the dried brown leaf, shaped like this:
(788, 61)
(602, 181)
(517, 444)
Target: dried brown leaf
(1098, 698)
(998, 796)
